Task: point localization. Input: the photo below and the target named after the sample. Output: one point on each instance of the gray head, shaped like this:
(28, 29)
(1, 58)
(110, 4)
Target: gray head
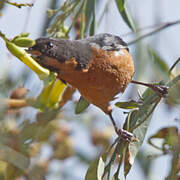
(107, 42)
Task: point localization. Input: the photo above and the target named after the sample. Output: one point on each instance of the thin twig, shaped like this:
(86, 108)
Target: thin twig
(160, 28)
(3, 37)
(172, 67)
(15, 103)
(145, 28)
(105, 10)
(19, 5)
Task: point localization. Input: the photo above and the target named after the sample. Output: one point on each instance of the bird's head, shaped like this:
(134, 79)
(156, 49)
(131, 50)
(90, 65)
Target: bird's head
(44, 50)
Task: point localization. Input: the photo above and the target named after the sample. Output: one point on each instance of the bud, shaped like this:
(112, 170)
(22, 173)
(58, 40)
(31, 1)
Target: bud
(24, 42)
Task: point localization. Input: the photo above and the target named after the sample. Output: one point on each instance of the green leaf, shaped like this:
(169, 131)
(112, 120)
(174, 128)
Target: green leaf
(66, 10)
(169, 136)
(118, 152)
(122, 7)
(93, 22)
(90, 11)
(41, 128)
(159, 63)
(81, 105)
(2, 4)
(139, 121)
(83, 19)
(13, 157)
(128, 104)
(95, 170)
(120, 4)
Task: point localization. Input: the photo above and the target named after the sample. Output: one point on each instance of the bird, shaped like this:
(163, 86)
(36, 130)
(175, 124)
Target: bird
(99, 66)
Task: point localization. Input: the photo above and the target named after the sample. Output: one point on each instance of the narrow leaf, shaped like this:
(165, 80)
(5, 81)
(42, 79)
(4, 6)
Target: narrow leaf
(122, 7)
(13, 157)
(2, 4)
(100, 169)
(83, 20)
(95, 170)
(128, 104)
(139, 122)
(169, 135)
(93, 22)
(81, 105)
(90, 7)
(142, 118)
(159, 63)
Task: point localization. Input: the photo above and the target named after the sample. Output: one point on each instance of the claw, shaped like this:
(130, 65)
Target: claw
(125, 135)
(161, 90)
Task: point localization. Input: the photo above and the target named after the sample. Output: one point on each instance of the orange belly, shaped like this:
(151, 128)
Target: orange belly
(106, 75)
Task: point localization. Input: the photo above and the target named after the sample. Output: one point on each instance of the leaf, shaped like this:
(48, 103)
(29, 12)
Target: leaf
(142, 118)
(90, 11)
(81, 105)
(93, 22)
(159, 63)
(41, 129)
(122, 7)
(12, 172)
(128, 104)
(13, 157)
(118, 152)
(95, 170)
(100, 170)
(169, 135)
(2, 4)
(139, 121)
(66, 10)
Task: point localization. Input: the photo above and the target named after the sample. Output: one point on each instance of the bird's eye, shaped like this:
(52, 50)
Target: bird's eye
(49, 44)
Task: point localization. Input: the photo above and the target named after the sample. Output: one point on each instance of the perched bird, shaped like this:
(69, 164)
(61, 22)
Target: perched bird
(100, 67)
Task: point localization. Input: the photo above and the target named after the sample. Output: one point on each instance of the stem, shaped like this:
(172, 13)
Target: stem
(113, 122)
(172, 67)
(3, 37)
(159, 89)
(75, 18)
(136, 126)
(82, 29)
(17, 103)
(19, 5)
(160, 28)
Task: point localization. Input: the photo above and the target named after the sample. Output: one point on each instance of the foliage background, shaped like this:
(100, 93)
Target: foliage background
(65, 150)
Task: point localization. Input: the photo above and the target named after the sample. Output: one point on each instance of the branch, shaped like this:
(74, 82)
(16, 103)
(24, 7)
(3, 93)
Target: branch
(160, 28)
(3, 37)
(17, 103)
(172, 67)
(19, 5)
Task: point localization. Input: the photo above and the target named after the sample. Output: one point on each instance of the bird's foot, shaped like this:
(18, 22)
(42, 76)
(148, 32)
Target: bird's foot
(160, 89)
(125, 135)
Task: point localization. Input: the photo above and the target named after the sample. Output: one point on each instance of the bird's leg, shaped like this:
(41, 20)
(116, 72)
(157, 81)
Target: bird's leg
(123, 134)
(160, 89)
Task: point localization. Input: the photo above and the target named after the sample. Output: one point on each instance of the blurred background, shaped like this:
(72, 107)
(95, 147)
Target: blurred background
(66, 147)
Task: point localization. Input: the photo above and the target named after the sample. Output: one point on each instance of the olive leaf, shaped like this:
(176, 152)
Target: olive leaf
(81, 105)
(122, 7)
